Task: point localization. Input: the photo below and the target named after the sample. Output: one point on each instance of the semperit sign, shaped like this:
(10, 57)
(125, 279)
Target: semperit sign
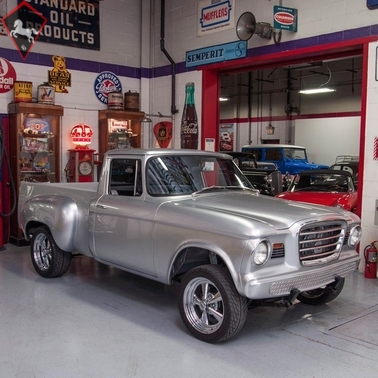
(69, 22)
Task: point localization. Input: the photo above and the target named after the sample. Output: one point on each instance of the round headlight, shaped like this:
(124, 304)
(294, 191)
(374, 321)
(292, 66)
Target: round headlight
(260, 254)
(354, 236)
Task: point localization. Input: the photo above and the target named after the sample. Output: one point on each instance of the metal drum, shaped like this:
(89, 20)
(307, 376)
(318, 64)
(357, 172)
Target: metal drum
(115, 100)
(46, 94)
(131, 101)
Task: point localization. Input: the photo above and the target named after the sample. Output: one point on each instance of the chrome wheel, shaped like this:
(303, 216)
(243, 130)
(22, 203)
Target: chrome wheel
(48, 259)
(203, 305)
(210, 306)
(42, 252)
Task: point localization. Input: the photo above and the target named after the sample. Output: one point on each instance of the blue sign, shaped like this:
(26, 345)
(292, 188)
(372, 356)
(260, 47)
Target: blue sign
(372, 4)
(214, 54)
(105, 83)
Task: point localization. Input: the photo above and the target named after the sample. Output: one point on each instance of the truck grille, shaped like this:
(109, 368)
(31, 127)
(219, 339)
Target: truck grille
(321, 242)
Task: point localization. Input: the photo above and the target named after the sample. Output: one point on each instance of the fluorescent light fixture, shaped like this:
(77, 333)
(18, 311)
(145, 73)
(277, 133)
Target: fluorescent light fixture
(316, 90)
(223, 98)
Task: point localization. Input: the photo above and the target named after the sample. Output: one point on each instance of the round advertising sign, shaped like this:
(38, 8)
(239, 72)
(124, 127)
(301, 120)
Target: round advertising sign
(7, 76)
(105, 83)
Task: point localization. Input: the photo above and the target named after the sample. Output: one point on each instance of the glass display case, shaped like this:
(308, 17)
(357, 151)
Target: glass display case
(34, 131)
(119, 129)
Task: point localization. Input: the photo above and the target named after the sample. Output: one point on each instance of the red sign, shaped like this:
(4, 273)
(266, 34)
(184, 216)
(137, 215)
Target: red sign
(7, 76)
(163, 133)
(284, 18)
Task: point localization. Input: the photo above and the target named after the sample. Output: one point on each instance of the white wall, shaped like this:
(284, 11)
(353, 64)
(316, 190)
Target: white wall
(327, 138)
(370, 193)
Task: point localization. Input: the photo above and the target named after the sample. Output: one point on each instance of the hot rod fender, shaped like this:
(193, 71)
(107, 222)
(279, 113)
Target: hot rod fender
(60, 214)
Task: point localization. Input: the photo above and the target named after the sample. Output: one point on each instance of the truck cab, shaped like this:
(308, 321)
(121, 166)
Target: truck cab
(288, 158)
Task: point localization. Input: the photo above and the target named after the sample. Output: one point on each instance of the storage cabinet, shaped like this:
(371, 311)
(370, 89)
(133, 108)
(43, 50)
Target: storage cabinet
(119, 129)
(34, 131)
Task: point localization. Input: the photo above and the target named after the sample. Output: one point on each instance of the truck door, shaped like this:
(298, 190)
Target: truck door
(122, 223)
(274, 155)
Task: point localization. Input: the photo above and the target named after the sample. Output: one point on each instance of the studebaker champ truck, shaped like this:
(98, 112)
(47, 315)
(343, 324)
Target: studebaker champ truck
(191, 218)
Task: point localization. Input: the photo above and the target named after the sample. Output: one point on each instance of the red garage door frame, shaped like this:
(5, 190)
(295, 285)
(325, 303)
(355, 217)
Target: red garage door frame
(211, 83)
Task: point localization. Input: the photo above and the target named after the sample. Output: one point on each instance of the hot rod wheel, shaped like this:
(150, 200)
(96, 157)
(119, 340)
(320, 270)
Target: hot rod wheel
(370, 254)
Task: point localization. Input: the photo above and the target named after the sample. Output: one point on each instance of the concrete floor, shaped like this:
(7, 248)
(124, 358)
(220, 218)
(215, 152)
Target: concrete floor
(100, 322)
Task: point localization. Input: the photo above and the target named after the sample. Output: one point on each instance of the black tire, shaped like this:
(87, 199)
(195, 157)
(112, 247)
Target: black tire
(323, 295)
(48, 259)
(222, 314)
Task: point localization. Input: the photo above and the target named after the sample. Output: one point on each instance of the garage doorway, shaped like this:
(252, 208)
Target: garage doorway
(326, 53)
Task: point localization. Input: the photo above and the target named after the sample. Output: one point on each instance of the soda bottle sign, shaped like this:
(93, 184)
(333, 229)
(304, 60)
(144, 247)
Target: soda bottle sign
(189, 122)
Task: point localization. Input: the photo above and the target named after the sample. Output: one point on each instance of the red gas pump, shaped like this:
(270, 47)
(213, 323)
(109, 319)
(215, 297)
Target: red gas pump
(370, 254)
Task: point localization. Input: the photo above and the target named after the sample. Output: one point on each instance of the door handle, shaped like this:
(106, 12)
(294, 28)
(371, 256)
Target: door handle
(102, 206)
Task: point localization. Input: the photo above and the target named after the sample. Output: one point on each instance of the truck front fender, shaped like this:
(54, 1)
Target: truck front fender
(58, 213)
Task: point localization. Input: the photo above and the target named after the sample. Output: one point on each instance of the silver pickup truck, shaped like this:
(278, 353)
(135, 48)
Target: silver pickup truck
(192, 218)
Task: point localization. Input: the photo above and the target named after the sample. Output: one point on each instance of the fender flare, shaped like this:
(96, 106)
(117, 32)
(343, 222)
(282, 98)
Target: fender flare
(58, 213)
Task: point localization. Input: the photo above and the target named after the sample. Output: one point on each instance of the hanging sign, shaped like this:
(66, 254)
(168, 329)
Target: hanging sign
(163, 133)
(215, 15)
(285, 18)
(69, 22)
(219, 53)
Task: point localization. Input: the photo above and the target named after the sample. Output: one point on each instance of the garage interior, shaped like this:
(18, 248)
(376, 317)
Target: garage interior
(267, 106)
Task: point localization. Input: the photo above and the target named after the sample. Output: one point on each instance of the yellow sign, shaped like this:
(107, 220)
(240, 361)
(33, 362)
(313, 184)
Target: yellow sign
(59, 76)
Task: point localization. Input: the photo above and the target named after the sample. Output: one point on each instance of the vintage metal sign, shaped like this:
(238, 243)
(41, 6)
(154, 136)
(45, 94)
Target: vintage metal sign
(69, 22)
(215, 15)
(17, 23)
(372, 4)
(7, 76)
(285, 18)
(219, 53)
(59, 75)
(105, 83)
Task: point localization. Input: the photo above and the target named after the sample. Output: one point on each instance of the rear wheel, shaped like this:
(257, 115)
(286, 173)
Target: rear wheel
(210, 306)
(48, 259)
(323, 295)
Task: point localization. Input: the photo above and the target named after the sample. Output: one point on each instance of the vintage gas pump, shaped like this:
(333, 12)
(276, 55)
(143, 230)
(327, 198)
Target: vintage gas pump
(370, 254)
(80, 166)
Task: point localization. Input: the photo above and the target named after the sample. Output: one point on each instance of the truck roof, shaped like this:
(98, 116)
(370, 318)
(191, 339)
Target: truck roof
(162, 151)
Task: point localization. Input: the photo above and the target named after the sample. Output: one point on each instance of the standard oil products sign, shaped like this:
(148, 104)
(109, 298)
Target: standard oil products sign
(69, 22)
(215, 15)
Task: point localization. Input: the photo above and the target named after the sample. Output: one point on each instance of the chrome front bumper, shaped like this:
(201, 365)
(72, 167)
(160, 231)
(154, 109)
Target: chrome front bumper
(282, 284)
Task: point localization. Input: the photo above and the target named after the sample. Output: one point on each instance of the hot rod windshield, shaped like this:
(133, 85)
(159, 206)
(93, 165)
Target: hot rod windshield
(178, 175)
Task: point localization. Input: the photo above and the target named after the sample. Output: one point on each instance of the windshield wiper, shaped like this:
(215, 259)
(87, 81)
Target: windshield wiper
(217, 187)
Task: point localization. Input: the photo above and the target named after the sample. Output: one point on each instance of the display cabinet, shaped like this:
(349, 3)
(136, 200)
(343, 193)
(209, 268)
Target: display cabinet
(34, 131)
(119, 129)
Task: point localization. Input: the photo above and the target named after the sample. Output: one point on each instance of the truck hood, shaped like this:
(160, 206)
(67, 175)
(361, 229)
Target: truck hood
(236, 205)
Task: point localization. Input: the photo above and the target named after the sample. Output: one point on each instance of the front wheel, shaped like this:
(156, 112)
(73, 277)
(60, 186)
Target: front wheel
(323, 295)
(209, 304)
(48, 259)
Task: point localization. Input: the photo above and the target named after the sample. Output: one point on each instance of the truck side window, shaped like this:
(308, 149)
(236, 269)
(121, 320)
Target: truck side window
(273, 154)
(125, 177)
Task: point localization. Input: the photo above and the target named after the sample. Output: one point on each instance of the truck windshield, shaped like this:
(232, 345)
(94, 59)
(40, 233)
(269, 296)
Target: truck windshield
(178, 175)
(295, 153)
